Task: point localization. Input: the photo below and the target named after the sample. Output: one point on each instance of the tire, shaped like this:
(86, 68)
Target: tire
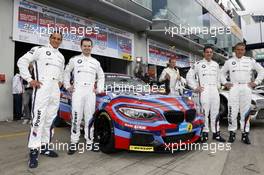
(59, 122)
(104, 133)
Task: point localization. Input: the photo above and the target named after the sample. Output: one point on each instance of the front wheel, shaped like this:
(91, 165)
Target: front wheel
(58, 121)
(104, 133)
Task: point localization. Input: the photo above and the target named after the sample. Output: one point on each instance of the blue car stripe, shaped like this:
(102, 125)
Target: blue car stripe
(122, 133)
(127, 129)
(65, 107)
(181, 101)
(168, 105)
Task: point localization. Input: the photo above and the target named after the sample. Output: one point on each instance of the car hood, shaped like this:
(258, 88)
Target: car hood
(255, 94)
(164, 102)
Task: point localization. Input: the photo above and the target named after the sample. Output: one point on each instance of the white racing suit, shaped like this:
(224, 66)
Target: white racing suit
(240, 72)
(85, 72)
(49, 67)
(208, 77)
(176, 81)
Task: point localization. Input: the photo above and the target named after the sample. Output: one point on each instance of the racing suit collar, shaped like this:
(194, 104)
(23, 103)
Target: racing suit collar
(51, 47)
(239, 58)
(87, 57)
(172, 68)
(207, 61)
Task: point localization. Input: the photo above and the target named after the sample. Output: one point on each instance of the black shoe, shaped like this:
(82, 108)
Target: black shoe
(93, 146)
(33, 158)
(72, 148)
(217, 137)
(245, 138)
(48, 152)
(232, 137)
(204, 137)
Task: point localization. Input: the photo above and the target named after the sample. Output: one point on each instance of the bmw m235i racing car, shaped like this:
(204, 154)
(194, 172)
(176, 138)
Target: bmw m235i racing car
(139, 121)
(257, 104)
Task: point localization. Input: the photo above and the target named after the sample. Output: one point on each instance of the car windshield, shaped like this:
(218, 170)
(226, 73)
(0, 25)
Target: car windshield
(122, 79)
(126, 83)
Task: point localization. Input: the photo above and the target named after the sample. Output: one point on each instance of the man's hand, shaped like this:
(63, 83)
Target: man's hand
(178, 77)
(35, 84)
(70, 89)
(252, 84)
(167, 76)
(228, 85)
(199, 89)
(60, 84)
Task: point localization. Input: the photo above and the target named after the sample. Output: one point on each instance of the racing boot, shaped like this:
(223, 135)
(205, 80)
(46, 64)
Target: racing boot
(72, 148)
(245, 138)
(217, 137)
(232, 137)
(33, 158)
(204, 137)
(44, 150)
(93, 146)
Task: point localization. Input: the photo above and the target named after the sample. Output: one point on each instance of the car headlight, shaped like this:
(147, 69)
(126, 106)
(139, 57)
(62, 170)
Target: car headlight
(138, 114)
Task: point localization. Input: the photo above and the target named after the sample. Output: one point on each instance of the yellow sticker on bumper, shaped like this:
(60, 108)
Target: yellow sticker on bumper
(189, 127)
(141, 148)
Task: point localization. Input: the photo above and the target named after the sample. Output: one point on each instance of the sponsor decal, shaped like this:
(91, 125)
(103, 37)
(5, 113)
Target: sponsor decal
(38, 118)
(230, 115)
(48, 53)
(135, 126)
(79, 61)
(141, 148)
(189, 127)
(74, 125)
(185, 127)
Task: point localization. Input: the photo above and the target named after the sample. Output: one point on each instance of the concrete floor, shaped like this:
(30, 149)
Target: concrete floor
(242, 159)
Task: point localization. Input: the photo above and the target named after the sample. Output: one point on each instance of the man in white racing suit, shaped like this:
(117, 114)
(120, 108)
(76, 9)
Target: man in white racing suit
(86, 70)
(204, 78)
(48, 65)
(172, 75)
(241, 83)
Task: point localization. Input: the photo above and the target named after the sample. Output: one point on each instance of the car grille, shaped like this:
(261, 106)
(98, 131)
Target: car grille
(178, 138)
(260, 114)
(142, 139)
(174, 117)
(190, 115)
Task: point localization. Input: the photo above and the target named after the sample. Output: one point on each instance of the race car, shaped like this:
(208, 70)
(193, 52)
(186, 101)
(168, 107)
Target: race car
(257, 104)
(139, 120)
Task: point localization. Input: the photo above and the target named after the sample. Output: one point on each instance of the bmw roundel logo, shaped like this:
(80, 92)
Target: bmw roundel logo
(203, 66)
(233, 63)
(79, 61)
(48, 53)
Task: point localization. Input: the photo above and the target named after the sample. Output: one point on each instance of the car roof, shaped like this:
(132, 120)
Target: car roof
(117, 75)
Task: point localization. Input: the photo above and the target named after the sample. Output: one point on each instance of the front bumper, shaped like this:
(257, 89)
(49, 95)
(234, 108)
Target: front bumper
(148, 141)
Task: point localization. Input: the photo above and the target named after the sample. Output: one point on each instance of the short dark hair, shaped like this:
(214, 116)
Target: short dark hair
(56, 31)
(86, 39)
(207, 47)
(240, 44)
